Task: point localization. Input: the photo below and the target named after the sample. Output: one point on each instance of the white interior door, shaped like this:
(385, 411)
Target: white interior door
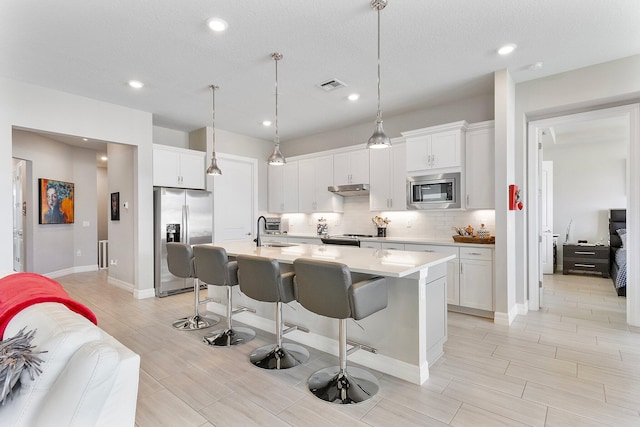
(19, 212)
(234, 199)
(546, 217)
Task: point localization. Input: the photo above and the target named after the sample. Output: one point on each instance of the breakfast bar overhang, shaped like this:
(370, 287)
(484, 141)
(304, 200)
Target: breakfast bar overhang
(408, 335)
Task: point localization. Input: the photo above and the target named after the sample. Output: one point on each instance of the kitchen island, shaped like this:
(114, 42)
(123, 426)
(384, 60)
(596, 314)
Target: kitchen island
(408, 335)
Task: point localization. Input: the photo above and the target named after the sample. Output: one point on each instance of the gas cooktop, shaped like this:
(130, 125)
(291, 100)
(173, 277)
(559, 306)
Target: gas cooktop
(344, 239)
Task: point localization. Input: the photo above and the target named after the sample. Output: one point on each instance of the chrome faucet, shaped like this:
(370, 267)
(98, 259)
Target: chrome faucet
(257, 239)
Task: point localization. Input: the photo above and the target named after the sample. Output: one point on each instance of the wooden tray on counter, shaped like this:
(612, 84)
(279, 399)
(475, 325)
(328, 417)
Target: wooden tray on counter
(474, 239)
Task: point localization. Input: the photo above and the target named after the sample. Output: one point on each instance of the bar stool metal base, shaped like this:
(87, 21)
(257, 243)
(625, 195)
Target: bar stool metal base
(274, 357)
(229, 337)
(343, 387)
(196, 322)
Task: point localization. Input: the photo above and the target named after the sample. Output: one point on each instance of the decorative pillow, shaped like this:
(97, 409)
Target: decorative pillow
(622, 232)
(17, 355)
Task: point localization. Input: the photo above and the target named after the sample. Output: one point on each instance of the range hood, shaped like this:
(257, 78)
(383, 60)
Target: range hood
(350, 189)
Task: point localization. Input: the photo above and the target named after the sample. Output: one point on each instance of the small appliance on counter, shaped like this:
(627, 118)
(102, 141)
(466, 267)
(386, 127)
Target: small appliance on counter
(275, 225)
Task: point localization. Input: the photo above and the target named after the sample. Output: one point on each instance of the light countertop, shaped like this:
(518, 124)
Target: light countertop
(380, 262)
(442, 241)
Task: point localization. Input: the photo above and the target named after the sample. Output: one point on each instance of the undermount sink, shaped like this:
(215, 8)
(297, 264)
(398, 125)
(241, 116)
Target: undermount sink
(277, 245)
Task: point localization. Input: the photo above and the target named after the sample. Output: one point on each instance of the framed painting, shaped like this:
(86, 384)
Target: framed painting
(115, 206)
(56, 201)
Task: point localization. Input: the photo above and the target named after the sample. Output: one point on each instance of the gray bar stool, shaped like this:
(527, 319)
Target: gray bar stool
(181, 264)
(326, 288)
(214, 268)
(261, 280)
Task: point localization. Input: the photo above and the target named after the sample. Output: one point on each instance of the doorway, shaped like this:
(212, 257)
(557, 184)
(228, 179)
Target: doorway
(235, 198)
(629, 115)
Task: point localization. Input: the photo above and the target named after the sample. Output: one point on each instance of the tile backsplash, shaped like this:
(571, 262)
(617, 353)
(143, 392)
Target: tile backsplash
(357, 219)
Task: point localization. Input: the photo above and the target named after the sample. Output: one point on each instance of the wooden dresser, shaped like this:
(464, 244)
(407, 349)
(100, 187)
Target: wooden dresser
(585, 259)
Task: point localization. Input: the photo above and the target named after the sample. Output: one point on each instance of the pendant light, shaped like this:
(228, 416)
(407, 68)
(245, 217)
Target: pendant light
(213, 168)
(379, 139)
(276, 158)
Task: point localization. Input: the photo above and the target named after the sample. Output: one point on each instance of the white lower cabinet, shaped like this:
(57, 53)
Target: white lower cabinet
(453, 267)
(305, 240)
(371, 245)
(393, 245)
(383, 245)
(270, 238)
(469, 275)
(476, 278)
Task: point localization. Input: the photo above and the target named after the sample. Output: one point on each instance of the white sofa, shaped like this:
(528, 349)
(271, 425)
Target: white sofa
(88, 378)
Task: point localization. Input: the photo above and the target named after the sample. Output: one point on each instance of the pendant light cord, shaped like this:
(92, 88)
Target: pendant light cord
(277, 57)
(379, 110)
(213, 117)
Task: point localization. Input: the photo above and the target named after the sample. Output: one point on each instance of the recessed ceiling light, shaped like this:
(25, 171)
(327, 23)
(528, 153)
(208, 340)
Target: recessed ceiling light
(507, 49)
(104, 158)
(353, 97)
(85, 139)
(136, 84)
(266, 123)
(217, 24)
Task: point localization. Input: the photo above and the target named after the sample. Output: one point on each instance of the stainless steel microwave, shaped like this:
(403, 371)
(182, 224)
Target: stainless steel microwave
(440, 191)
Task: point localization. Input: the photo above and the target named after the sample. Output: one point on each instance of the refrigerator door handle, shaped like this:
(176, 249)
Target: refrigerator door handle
(186, 224)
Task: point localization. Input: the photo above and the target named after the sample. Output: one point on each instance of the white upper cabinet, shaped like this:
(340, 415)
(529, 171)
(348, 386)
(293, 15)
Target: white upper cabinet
(388, 178)
(351, 167)
(178, 167)
(283, 188)
(315, 177)
(479, 168)
(436, 148)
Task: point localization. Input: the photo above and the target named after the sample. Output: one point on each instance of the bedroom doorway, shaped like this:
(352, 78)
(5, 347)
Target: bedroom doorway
(629, 168)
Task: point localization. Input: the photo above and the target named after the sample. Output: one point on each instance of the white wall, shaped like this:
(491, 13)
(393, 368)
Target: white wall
(174, 138)
(475, 109)
(103, 205)
(31, 107)
(505, 299)
(121, 162)
(85, 228)
(588, 180)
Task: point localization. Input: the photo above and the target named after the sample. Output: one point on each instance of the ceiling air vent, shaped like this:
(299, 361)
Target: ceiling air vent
(332, 84)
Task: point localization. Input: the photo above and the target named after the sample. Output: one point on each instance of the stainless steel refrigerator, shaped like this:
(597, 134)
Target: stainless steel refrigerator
(179, 216)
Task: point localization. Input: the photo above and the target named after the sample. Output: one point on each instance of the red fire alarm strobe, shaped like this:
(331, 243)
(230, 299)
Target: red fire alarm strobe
(514, 198)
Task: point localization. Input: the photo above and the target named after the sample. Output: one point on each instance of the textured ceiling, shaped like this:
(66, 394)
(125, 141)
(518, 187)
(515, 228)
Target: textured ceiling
(433, 51)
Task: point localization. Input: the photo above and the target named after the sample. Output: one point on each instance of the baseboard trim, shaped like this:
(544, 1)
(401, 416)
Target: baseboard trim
(71, 270)
(523, 308)
(505, 318)
(120, 284)
(144, 293)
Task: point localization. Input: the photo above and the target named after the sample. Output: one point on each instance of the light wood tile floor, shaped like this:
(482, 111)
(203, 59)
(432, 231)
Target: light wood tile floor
(573, 363)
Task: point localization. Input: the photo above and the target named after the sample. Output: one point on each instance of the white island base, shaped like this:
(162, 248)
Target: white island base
(408, 335)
